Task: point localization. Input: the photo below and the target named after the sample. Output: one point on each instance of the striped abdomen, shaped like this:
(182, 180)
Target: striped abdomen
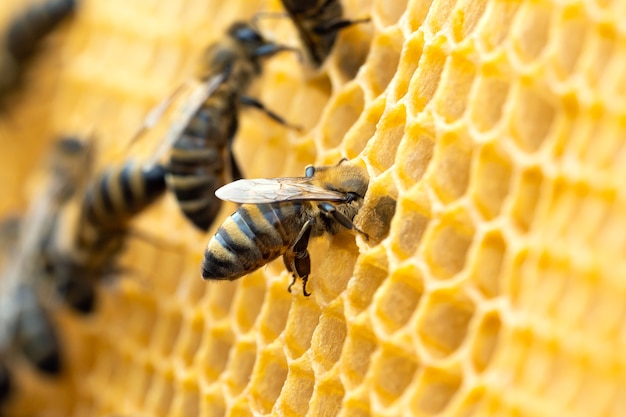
(27, 29)
(250, 238)
(198, 159)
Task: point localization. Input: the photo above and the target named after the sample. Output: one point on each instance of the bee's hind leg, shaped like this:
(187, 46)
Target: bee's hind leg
(297, 259)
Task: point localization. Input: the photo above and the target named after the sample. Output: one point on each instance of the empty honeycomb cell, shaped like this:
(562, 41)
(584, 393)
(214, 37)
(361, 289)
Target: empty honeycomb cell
(435, 389)
(159, 399)
(447, 243)
(327, 398)
(487, 101)
(351, 49)
(336, 267)
(457, 79)
(388, 13)
(301, 323)
(397, 298)
(379, 207)
(370, 271)
(220, 298)
(313, 98)
(358, 348)
(213, 403)
(530, 30)
(532, 118)
(486, 272)
(410, 223)
(465, 17)
(248, 301)
(342, 112)
(569, 40)
(528, 188)
(389, 133)
(297, 391)
(328, 338)
(409, 59)
(268, 378)
(545, 277)
(274, 313)
(356, 404)
(438, 15)
(392, 371)
(190, 340)
(240, 365)
(363, 129)
(426, 78)
(574, 300)
(415, 151)
(491, 179)
(451, 164)
(187, 400)
(485, 340)
(383, 60)
(444, 321)
(213, 355)
(467, 403)
(564, 375)
(140, 322)
(166, 332)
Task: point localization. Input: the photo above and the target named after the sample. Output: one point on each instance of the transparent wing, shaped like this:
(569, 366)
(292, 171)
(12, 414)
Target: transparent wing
(272, 190)
(197, 97)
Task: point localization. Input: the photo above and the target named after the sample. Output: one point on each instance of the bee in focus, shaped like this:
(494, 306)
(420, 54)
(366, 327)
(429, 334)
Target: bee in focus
(201, 158)
(98, 233)
(318, 22)
(25, 33)
(279, 216)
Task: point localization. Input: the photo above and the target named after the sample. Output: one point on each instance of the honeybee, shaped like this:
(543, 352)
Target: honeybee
(318, 22)
(201, 158)
(24, 35)
(279, 216)
(108, 204)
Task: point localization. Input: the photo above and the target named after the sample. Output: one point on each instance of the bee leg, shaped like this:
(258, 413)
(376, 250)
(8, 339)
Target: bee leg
(297, 259)
(341, 218)
(251, 101)
(338, 25)
(235, 171)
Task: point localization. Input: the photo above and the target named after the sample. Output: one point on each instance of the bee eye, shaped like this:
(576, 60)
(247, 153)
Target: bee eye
(309, 171)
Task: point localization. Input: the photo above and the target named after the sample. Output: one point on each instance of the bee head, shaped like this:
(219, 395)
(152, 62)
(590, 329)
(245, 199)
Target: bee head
(345, 178)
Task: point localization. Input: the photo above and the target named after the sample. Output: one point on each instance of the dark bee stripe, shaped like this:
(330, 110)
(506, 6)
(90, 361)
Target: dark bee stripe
(126, 181)
(6, 384)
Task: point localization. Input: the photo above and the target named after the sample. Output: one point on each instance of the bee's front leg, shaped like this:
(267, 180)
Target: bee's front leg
(297, 259)
(341, 218)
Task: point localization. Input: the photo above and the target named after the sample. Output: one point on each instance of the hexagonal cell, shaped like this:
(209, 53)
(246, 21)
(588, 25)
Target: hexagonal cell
(391, 373)
(486, 268)
(495, 24)
(351, 50)
(410, 222)
(467, 402)
(447, 243)
(415, 14)
(491, 179)
(336, 267)
(358, 348)
(485, 340)
(341, 113)
(435, 389)
(389, 131)
(248, 301)
(450, 171)
(525, 194)
(456, 82)
(301, 323)
(220, 299)
(140, 324)
(530, 30)
(187, 400)
(212, 402)
(363, 129)
(438, 15)
(465, 17)
(139, 382)
(398, 297)
(327, 397)
(569, 40)
(190, 338)
(308, 103)
(240, 364)
(409, 60)
(297, 391)
(356, 404)
(379, 207)
(159, 398)
(388, 13)
(532, 118)
(273, 316)
(166, 329)
(444, 321)
(328, 338)
(213, 355)
(370, 271)
(426, 78)
(416, 150)
(268, 378)
(382, 61)
(487, 100)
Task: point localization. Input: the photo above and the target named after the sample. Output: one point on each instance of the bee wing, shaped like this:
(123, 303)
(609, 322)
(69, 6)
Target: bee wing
(196, 98)
(272, 190)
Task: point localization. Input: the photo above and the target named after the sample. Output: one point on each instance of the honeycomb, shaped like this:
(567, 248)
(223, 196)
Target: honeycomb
(493, 131)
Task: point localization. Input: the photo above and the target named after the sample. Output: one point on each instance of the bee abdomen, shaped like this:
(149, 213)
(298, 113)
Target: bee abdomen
(24, 34)
(247, 240)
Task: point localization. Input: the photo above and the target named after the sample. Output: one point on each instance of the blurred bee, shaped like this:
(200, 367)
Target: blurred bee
(201, 158)
(279, 216)
(24, 35)
(108, 204)
(318, 22)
